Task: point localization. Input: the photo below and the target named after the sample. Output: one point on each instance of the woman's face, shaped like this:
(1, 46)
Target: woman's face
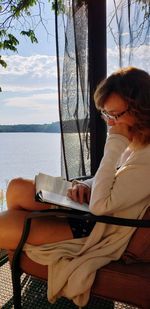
(116, 111)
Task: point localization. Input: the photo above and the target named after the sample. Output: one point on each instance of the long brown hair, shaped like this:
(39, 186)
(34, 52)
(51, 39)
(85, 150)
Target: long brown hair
(133, 86)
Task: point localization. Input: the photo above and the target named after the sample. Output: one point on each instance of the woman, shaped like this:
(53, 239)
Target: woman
(119, 188)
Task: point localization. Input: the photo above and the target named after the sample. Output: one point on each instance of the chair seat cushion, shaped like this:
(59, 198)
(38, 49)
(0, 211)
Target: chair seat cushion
(115, 281)
(138, 249)
(124, 283)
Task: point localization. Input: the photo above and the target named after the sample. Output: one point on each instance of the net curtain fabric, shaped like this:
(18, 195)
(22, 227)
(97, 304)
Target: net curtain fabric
(128, 38)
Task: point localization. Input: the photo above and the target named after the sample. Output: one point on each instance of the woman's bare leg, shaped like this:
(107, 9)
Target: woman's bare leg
(20, 201)
(21, 195)
(45, 230)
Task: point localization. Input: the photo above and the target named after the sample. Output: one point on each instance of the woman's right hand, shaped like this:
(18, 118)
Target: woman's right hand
(122, 129)
(79, 193)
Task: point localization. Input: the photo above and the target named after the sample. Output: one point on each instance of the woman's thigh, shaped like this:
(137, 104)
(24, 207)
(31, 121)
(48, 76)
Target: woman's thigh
(21, 195)
(45, 230)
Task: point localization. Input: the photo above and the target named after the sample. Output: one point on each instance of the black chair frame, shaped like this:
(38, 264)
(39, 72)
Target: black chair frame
(59, 213)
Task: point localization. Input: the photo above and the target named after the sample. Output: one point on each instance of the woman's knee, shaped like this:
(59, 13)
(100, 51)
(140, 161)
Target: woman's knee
(14, 192)
(13, 183)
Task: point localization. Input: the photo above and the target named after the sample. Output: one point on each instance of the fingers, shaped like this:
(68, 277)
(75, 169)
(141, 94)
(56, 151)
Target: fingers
(73, 194)
(122, 129)
(79, 193)
(88, 196)
(76, 193)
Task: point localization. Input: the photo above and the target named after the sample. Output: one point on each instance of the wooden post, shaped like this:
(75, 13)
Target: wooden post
(97, 72)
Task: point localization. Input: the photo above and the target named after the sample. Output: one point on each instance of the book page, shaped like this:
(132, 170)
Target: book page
(53, 190)
(64, 201)
(52, 184)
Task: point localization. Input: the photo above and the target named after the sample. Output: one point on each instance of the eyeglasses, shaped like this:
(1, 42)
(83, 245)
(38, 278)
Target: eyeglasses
(113, 117)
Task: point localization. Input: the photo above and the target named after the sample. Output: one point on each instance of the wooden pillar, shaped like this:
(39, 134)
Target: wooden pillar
(97, 72)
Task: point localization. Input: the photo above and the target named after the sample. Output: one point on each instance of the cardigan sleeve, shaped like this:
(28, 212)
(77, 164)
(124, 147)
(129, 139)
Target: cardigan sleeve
(113, 191)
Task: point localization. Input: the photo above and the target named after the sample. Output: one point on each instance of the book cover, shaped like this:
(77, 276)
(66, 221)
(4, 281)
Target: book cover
(53, 190)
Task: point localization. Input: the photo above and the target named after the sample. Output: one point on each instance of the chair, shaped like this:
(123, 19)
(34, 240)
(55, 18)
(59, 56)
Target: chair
(126, 280)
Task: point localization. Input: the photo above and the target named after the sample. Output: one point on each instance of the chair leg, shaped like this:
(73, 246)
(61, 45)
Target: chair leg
(16, 282)
(15, 267)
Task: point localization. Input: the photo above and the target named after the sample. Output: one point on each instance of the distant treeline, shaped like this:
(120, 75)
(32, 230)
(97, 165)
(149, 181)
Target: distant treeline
(52, 128)
(69, 126)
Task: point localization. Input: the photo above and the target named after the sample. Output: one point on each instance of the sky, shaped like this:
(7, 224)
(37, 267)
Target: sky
(29, 83)
(29, 90)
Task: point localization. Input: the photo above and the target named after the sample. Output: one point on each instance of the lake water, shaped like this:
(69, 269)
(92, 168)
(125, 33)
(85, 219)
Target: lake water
(27, 154)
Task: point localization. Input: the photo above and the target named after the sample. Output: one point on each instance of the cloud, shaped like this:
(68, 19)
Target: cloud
(37, 65)
(139, 58)
(29, 84)
(36, 108)
(125, 34)
(30, 73)
(35, 101)
(45, 115)
(29, 89)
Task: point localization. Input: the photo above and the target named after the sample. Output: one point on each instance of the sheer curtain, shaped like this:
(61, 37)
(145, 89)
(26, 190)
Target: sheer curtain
(128, 38)
(74, 89)
(128, 34)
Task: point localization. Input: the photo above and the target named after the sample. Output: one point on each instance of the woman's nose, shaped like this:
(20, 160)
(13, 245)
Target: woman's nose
(110, 122)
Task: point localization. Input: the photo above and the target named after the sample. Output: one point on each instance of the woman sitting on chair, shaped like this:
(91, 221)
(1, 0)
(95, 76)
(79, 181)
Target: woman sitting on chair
(120, 187)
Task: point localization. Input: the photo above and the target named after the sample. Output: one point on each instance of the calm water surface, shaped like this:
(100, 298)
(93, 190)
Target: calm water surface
(27, 154)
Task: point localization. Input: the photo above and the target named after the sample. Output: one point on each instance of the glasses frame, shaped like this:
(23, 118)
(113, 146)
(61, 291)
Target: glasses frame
(113, 117)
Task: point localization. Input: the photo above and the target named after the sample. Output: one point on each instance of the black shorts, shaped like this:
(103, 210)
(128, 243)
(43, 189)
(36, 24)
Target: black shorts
(80, 228)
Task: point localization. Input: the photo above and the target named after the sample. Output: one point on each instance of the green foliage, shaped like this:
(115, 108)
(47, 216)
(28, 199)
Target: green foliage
(30, 34)
(60, 6)
(13, 11)
(19, 12)
(3, 63)
(10, 43)
(21, 6)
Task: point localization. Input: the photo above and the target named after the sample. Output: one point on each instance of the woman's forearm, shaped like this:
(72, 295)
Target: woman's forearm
(105, 176)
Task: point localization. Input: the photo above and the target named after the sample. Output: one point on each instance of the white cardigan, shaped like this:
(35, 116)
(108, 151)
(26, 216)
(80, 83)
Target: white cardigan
(72, 264)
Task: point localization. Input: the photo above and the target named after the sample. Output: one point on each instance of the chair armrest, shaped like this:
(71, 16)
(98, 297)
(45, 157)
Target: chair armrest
(76, 214)
(81, 178)
(59, 213)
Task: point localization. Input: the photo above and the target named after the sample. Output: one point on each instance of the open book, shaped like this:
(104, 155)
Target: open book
(53, 190)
